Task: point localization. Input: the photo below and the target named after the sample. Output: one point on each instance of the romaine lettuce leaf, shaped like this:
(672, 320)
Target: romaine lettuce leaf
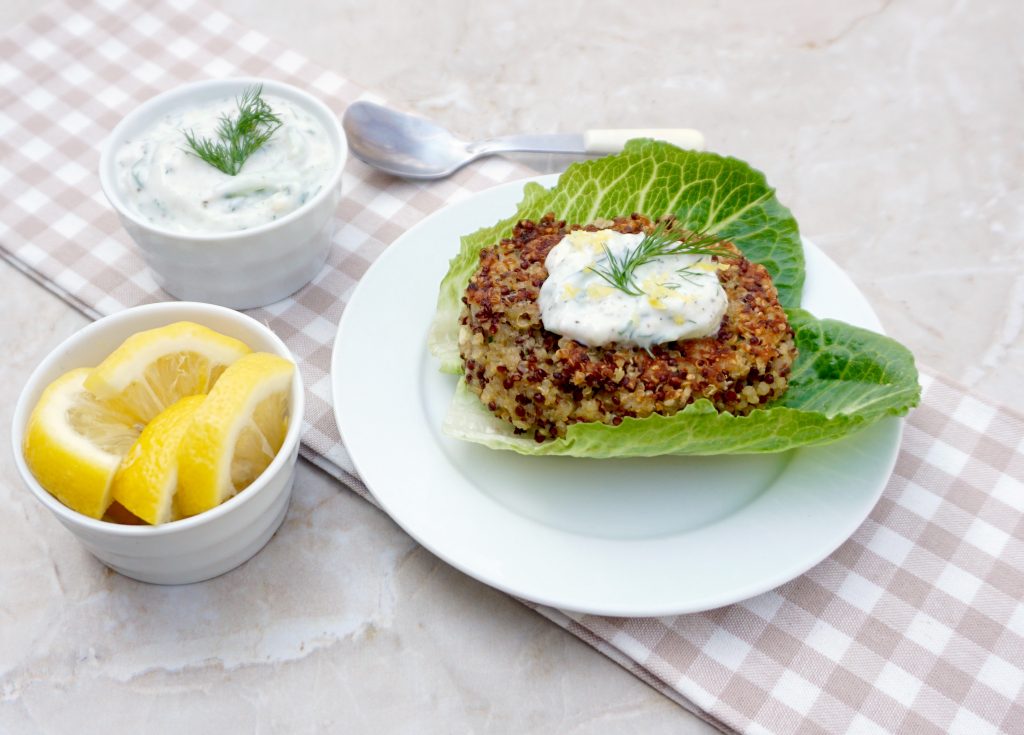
(704, 190)
(844, 379)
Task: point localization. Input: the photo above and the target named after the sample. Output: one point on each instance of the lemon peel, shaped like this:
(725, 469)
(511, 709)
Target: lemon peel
(235, 433)
(147, 480)
(155, 368)
(74, 443)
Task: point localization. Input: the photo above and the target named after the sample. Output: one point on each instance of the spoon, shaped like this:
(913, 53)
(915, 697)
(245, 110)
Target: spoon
(416, 148)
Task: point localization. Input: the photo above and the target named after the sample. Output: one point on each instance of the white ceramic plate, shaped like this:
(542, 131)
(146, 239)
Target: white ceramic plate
(614, 537)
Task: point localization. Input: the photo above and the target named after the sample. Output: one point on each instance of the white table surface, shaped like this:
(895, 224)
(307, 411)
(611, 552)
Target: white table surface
(892, 130)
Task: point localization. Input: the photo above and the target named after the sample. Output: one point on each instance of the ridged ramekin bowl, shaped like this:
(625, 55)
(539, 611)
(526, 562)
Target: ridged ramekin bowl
(245, 268)
(192, 549)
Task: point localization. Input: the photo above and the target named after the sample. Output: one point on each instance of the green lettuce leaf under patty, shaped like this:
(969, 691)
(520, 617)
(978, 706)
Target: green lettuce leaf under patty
(844, 379)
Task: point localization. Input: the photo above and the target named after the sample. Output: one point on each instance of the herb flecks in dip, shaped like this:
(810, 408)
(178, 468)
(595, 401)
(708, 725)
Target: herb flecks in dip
(168, 185)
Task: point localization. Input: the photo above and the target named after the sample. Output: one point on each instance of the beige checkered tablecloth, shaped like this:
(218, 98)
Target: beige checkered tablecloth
(914, 625)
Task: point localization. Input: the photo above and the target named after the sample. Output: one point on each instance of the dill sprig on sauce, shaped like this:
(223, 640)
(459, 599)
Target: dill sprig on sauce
(238, 137)
(657, 243)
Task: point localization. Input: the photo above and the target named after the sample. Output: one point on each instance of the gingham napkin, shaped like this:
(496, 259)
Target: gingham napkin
(914, 625)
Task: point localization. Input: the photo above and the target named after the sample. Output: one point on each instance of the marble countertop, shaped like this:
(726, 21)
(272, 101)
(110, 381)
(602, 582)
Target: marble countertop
(891, 129)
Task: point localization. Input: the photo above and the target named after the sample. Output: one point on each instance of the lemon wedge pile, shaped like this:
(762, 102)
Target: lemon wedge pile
(172, 423)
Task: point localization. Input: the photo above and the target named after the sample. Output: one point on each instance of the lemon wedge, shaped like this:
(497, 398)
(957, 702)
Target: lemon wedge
(235, 433)
(148, 478)
(155, 368)
(74, 443)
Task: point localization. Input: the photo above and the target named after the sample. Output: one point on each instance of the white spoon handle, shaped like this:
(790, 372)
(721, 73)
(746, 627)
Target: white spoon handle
(611, 141)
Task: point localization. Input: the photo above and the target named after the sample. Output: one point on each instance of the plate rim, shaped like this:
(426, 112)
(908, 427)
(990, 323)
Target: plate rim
(386, 503)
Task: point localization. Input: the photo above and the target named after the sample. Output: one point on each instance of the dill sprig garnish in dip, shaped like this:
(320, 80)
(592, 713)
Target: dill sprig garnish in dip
(276, 156)
(661, 242)
(240, 136)
(633, 288)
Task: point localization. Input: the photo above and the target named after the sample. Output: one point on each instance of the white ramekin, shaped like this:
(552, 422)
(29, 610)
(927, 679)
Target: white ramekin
(191, 549)
(243, 269)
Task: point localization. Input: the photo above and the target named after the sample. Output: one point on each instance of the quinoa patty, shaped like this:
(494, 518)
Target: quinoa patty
(542, 382)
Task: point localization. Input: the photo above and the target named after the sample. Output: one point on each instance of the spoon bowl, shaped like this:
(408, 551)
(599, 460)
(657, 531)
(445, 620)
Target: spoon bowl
(403, 145)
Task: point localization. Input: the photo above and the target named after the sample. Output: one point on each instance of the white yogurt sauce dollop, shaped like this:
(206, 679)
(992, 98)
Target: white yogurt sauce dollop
(681, 296)
(173, 188)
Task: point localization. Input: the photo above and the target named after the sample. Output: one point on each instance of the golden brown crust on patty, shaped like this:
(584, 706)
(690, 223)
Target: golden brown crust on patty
(540, 381)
